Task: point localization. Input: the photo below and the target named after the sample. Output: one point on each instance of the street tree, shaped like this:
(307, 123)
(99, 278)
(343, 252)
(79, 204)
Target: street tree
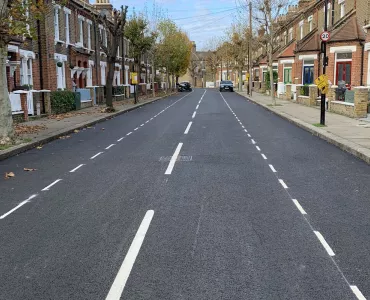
(115, 24)
(173, 50)
(267, 16)
(137, 31)
(15, 24)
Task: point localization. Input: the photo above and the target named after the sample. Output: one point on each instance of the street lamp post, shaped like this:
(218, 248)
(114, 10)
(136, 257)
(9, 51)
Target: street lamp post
(324, 64)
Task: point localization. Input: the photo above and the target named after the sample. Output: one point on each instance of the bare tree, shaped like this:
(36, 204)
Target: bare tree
(115, 25)
(269, 11)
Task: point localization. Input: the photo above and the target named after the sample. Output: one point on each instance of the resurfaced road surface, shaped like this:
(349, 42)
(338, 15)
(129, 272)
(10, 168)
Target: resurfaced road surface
(202, 195)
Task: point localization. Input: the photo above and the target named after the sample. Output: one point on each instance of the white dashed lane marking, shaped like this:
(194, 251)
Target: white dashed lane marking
(96, 155)
(50, 185)
(324, 243)
(75, 169)
(110, 146)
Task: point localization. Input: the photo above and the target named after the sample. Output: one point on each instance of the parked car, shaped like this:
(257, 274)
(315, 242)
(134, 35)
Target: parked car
(184, 87)
(226, 85)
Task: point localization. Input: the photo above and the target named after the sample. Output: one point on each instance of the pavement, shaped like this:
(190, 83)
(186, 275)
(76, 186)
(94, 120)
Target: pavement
(351, 135)
(199, 196)
(43, 130)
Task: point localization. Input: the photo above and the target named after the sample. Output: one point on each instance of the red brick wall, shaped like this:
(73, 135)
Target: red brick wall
(356, 63)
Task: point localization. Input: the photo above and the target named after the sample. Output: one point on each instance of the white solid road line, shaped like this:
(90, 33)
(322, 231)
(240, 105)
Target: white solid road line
(18, 206)
(92, 157)
(119, 282)
(173, 159)
(283, 183)
(324, 243)
(194, 115)
(253, 141)
(197, 106)
(129, 133)
(75, 169)
(50, 185)
(357, 292)
(264, 156)
(188, 128)
(272, 168)
(300, 208)
(258, 148)
(110, 146)
(120, 139)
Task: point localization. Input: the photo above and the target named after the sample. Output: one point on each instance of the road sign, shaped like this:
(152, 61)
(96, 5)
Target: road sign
(134, 78)
(322, 83)
(325, 36)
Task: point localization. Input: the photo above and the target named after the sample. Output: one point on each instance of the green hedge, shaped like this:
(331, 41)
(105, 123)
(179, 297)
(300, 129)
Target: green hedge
(62, 102)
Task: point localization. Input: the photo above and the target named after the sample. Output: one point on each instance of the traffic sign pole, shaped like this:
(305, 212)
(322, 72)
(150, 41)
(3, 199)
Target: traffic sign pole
(324, 62)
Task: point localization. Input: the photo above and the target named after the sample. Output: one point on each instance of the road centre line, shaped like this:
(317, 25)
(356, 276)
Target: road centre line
(147, 122)
(243, 126)
(123, 274)
(249, 135)
(245, 130)
(129, 133)
(357, 292)
(197, 106)
(272, 168)
(120, 139)
(258, 148)
(75, 169)
(142, 125)
(188, 128)
(194, 115)
(110, 146)
(151, 119)
(300, 208)
(253, 141)
(136, 128)
(18, 206)
(173, 159)
(264, 156)
(92, 157)
(283, 183)
(324, 243)
(50, 185)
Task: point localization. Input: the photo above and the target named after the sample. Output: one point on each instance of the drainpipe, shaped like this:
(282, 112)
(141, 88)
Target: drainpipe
(362, 63)
(40, 63)
(97, 53)
(332, 12)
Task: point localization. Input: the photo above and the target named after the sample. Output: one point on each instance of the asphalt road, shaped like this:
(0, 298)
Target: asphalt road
(237, 204)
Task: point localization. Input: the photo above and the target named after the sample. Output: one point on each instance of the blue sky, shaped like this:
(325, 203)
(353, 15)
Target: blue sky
(201, 19)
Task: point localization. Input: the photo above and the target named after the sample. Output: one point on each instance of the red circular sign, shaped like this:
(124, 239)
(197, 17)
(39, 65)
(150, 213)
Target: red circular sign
(325, 36)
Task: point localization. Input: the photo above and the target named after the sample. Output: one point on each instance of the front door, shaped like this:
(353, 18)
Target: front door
(307, 74)
(344, 72)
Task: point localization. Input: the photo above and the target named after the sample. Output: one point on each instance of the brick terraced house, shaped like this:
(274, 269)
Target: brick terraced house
(66, 55)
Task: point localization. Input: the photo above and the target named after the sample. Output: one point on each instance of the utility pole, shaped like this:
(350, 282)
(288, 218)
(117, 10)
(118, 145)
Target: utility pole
(250, 49)
(324, 64)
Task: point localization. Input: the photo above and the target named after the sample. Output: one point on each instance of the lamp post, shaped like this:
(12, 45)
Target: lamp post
(324, 64)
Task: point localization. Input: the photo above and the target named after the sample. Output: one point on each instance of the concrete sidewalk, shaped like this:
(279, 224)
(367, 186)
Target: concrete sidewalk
(44, 130)
(351, 135)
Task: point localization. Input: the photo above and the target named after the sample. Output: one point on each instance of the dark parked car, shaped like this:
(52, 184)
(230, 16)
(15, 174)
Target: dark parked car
(184, 87)
(226, 85)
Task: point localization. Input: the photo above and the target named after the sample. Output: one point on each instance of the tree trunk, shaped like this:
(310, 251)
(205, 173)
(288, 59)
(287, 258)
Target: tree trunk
(153, 76)
(271, 42)
(240, 75)
(168, 80)
(138, 81)
(173, 82)
(6, 121)
(109, 84)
